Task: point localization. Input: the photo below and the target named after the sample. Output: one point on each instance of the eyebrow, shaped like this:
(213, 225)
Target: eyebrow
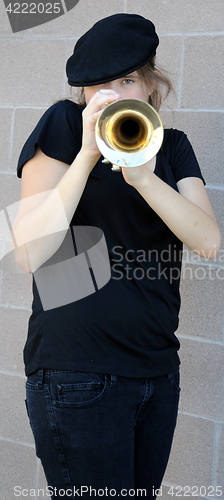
(131, 75)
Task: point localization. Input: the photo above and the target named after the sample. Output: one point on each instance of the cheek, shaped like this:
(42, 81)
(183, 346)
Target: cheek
(140, 94)
(87, 97)
(89, 93)
(146, 91)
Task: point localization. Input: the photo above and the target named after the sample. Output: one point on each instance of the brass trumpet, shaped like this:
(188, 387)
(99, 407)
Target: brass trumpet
(129, 132)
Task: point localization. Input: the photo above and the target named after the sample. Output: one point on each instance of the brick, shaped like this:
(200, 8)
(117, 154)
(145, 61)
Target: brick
(218, 261)
(16, 285)
(14, 189)
(4, 190)
(41, 479)
(38, 66)
(169, 59)
(25, 121)
(216, 197)
(71, 93)
(5, 28)
(204, 130)
(80, 18)
(0, 281)
(202, 378)
(203, 73)
(202, 301)
(10, 188)
(18, 469)
(2, 249)
(192, 453)
(6, 116)
(9, 193)
(180, 16)
(13, 328)
(14, 423)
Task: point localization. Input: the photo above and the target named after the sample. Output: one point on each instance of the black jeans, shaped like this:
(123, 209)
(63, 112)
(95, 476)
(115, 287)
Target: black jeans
(102, 435)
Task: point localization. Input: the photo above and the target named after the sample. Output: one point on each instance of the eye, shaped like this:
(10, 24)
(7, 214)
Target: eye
(127, 81)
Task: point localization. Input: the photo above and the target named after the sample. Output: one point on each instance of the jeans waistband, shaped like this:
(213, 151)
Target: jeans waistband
(42, 376)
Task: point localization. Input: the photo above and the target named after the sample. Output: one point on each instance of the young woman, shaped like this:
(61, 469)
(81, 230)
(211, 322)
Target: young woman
(103, 371)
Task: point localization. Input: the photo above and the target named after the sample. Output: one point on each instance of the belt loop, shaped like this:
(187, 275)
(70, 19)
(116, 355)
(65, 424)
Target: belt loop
(41, 377)
(45, 376)
(113, 380)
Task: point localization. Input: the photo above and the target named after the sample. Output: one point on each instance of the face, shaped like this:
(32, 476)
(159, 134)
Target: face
(129, 86)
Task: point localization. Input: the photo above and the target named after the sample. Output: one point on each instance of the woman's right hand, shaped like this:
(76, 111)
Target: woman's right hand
(91, 113)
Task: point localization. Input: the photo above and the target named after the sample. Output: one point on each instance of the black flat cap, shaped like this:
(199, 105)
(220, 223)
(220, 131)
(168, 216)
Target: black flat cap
(114, 47)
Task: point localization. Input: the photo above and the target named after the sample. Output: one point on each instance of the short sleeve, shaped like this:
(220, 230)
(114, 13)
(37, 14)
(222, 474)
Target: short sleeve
(58, 134)
(181, 156)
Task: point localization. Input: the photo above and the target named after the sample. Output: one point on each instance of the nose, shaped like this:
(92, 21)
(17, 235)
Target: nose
(114, 85)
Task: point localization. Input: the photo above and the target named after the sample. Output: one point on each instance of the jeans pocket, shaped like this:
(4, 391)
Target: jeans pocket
(82, 389)
(27, 411)
(174, 379)
(34, 381)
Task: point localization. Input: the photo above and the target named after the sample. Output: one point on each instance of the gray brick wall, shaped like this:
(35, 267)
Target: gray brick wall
(32, 78)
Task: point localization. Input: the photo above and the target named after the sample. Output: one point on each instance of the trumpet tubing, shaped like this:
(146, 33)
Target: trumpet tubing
(129, 132)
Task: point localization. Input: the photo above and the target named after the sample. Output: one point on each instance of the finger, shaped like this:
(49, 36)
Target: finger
(91, 120)
(106, 91)
(98, 103)
(96, 115)
(103, 96)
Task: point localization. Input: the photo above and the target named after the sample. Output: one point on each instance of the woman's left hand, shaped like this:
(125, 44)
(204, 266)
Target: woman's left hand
(136, 175)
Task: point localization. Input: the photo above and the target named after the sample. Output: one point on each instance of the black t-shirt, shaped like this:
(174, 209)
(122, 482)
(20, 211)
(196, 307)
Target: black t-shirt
(127, 327)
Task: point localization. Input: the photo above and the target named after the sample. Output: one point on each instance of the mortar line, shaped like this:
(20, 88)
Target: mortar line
(195, 415)
(41, 36)
(64, 6)
(64, 82)
(1, 283)
(219, 187)
(22, 106)
(163, 109)
(37, 475)
(22, 443)
(223, 327)
(201, 339)
(17, 308)
(192, 110)
(12, 374)
(204, 264)
(217, 436)
(12, 126)
(179, 95)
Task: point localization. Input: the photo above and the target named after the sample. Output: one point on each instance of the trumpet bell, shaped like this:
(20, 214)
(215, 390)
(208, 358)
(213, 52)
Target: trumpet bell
(129, 132)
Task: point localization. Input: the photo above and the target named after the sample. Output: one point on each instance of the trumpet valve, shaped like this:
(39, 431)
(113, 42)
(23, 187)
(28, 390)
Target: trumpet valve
(116, 168)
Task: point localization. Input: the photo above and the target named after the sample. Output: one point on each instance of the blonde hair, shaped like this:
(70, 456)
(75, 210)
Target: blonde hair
(148, 73)
(151, 73)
